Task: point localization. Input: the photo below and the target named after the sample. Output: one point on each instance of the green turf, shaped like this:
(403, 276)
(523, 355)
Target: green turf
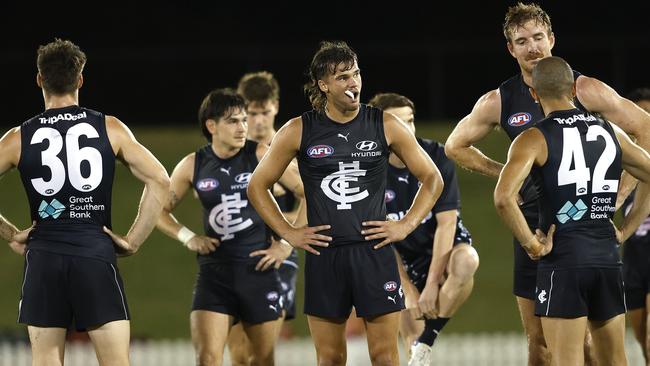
(160, 277)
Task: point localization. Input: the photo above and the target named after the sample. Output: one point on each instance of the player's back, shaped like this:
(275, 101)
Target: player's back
(579, 182)
(67, 166)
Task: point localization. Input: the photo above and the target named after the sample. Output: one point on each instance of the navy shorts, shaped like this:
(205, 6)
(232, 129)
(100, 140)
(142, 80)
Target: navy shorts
(352, 275)
(239, 290)
(288, 272)
(596, 293)
(636, 270)
(417, 264)
(60, 289)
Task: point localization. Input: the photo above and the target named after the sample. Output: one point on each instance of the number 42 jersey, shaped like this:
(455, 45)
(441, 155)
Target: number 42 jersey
(579, 183)
(67, 166)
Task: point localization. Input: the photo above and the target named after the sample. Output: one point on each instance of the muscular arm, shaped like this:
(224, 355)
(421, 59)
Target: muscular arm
(271, 167)
(474, 127)
(636, 161)
(597, 96)
(146, 168)
(181, 181)
(9, 157)
(403, 143)
(290, 178)
(527, 149)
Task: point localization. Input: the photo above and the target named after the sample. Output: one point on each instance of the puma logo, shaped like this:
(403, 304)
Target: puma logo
(345, 137)
(404, 179)
(274, 308)
(227, 171)
(392, 299)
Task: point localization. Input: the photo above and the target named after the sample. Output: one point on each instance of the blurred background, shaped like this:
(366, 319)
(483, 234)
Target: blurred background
(151, 65)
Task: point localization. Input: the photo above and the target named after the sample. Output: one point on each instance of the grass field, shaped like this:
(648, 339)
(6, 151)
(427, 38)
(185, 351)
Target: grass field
(160, 277)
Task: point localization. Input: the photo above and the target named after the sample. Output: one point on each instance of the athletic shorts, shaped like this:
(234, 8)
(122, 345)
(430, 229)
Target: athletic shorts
(58, 289)
(636, 270)
(352, 275)
(417, 264)
(288, 273)
(239, 290)
(596, 293)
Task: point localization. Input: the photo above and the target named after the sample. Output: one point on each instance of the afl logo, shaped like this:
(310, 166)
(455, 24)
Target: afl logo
(272, 296)
(390, 286)
(86, 187)
(243, 177)
(389, 196)
(366, 145)
(207, 184)
(519, 119)
(320, 151)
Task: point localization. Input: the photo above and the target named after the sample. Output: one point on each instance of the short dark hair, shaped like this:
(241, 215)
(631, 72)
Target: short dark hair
(328, 57)
(553, 78)
(259, 87)
(521, 13)
(217, 104)
(391, 100)
(639, 94)
(60, 64)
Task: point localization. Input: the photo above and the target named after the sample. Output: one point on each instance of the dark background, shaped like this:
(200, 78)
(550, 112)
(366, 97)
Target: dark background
(153, 64)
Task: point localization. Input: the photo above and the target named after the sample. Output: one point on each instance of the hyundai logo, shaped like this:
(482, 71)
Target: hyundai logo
(366, 145)
(243, 177)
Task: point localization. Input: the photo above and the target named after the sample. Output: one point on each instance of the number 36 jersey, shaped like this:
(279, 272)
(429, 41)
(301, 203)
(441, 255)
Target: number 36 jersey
(67, 166)
(579, 185)
(343, 167)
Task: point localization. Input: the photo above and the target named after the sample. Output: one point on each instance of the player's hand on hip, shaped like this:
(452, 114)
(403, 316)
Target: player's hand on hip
(202, 244)
(18, 242)
(122, 246)
(274, 255)
(307, 236)
(542, 244)
(428, 301)
(620, 238)
(389, 231)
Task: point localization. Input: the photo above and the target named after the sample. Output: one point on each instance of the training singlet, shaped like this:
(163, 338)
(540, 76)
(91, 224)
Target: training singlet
(519, 112)
(343, 168)
(67, 165)
(402, 187)
(578, 185)
(641, 233)
(227, 215)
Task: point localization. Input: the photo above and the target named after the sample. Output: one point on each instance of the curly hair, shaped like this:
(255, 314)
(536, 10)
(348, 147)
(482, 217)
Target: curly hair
(329, 56)
(521, 13)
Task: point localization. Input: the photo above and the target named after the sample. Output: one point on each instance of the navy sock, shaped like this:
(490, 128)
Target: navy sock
(432, 328)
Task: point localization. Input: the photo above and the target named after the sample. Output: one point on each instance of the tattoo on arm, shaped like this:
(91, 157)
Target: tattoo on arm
(173, 200)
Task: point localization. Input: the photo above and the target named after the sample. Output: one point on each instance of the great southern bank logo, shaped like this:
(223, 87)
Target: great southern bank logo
(571, 211)
(52, 209)
(320, 151)
(519, 119)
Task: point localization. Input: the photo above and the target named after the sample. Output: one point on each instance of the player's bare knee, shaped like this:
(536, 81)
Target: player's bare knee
(206, 357)
(464, 264)
(331, 358)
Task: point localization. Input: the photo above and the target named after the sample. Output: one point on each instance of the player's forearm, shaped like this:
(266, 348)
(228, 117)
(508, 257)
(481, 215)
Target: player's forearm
(151, 205)
(443, 242)
(513, 218)
(300, 219)
(262, 199)
(628, 182)
(471, 158)
(424, 199)
(639, 212)
(7, 229)
(168, 224)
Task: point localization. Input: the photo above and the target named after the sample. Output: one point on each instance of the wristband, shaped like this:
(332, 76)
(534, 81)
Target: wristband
(185, 235)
